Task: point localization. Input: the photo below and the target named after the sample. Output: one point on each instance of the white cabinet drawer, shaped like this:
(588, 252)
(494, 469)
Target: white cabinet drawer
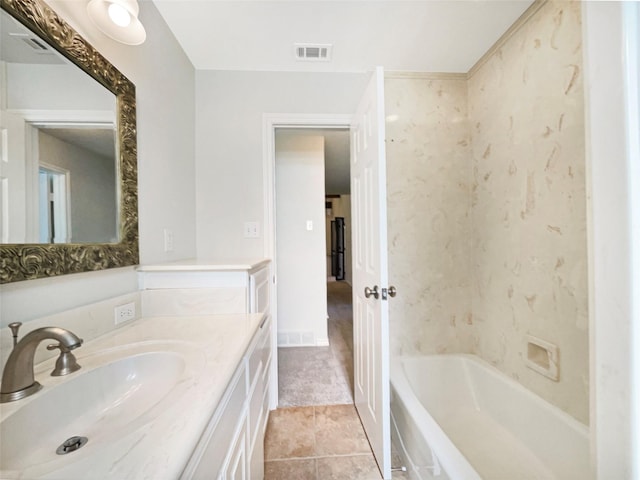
(235, 467)
(261, 342)
(256, 462)
(259, 291)
(207, 460)
(255, 409)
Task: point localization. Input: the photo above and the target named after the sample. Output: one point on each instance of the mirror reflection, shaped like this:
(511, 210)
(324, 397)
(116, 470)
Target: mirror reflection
(58, 165)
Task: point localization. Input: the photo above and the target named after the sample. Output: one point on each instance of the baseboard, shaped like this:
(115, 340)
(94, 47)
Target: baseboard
(296, 339)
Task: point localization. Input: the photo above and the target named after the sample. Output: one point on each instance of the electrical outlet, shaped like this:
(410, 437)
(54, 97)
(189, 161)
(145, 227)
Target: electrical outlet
(124, 313)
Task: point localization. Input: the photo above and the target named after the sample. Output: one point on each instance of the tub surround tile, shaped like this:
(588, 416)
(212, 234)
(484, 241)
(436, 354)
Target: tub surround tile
(487, 208)
(428, 184)
(529, 264)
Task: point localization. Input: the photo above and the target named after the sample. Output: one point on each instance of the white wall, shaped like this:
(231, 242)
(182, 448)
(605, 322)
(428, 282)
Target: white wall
(54, 87)
(92, 188)
(43, 89)
(611, 57)
(300, 253)
(229, 144)
(164, 80)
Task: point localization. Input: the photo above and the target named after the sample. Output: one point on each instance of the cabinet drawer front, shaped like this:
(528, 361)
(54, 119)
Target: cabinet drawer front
(255, 409)
(260, 342)
(207, 460)
(265, 406)
(259, 287)
(235, 467)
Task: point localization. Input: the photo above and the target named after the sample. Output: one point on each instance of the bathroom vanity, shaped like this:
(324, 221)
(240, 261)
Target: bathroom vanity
(162, 397)
(182, 391)
(233, 443)
(232, 446)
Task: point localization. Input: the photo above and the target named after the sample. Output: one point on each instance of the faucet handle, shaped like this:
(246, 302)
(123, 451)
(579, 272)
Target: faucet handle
(15, 326)
(66, 362)
(53, 346)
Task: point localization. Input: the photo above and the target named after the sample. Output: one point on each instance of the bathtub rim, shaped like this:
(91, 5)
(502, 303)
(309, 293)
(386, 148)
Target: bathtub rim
(454, 463)
(451, 458)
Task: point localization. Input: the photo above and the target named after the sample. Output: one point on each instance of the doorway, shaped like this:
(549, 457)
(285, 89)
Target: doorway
(315, 339)
(53, 198)
(367, 167)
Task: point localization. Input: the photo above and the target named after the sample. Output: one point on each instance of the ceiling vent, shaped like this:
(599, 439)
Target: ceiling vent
(36, 44)
(310, 52)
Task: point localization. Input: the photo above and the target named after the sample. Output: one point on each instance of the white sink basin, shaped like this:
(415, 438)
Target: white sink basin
(116, 395)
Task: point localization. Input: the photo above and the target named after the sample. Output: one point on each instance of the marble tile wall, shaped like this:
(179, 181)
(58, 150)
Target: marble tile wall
(528, 231)
(487, 207)
(428, 195)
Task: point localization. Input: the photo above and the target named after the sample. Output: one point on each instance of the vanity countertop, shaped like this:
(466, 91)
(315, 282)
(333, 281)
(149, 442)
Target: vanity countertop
(200, 265)
(213, 347)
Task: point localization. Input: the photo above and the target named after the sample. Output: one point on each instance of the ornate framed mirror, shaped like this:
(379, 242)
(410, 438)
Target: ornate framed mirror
(26, 261)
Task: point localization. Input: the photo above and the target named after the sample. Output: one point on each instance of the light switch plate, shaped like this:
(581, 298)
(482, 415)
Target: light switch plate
(251, 230)
(168, 240)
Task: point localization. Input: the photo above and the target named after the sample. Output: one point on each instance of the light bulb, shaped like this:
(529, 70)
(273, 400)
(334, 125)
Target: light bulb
(119, 15)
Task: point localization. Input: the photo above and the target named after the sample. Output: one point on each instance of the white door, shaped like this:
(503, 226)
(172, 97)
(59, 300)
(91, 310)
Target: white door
(370, 309)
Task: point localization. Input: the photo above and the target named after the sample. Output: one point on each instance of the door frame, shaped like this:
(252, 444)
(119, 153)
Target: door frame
(34, 120)
(270, 122)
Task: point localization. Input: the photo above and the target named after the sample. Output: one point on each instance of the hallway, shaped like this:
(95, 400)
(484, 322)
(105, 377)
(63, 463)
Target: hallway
(321, 375)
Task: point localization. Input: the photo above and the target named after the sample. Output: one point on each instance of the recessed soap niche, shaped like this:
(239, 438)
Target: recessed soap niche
(542, 357)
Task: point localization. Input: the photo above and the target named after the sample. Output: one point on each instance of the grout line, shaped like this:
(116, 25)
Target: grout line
(315, 441)
(343, 455)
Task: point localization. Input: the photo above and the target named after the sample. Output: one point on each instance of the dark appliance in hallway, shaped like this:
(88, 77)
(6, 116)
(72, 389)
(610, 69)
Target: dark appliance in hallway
(337, 248)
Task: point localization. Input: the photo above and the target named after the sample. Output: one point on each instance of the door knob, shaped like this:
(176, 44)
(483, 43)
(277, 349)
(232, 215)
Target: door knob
(392, 291)
(368, 292)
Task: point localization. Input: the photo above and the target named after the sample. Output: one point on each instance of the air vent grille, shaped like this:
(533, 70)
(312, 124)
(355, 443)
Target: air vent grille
(312, 52)
(36, 44)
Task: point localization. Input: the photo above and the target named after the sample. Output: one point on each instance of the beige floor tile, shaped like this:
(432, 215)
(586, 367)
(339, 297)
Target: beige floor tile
(290, 433)
(339, 431)
(400, 476)
(356, 467)
(303, 469)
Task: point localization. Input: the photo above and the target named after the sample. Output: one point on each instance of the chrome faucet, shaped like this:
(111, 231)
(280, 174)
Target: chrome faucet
(18, 379)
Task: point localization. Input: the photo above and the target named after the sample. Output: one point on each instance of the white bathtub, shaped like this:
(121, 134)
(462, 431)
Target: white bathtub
(457, 417)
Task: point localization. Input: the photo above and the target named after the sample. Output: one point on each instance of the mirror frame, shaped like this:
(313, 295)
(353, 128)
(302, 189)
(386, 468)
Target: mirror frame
(30, 261)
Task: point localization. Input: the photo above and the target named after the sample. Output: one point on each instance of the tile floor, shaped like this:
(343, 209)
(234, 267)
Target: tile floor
(318, 442)
(316, 433)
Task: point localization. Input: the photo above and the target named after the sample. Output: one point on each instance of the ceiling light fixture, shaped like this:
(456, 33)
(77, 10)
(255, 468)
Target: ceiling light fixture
(118, 19)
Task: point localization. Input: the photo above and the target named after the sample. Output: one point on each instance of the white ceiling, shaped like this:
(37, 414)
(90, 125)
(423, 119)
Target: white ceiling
(400, 35)
(417, 36)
